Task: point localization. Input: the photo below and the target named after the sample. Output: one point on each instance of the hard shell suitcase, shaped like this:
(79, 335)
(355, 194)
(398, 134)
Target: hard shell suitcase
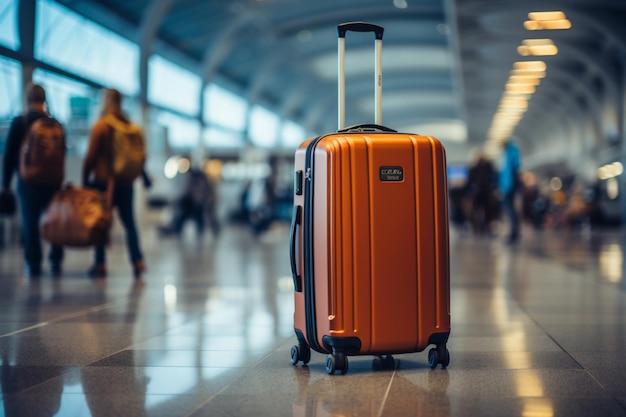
(369, 244)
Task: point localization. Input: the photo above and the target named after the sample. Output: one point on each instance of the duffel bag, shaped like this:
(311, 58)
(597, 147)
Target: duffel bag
(77, 216)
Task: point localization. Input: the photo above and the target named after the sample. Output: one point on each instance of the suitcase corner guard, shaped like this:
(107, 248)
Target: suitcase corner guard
(438, 338)
(347, 345)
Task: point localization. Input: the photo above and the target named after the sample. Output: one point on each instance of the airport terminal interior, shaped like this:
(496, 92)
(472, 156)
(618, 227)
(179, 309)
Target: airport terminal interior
(537, 330)
(230, 90)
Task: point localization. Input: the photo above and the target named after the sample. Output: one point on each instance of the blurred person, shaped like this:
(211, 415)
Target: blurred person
(33, 196)
(261, 201)
(212, 206)
(98, 169)
(457, 205)
(259, 205)
(197, 203)
(509, 183)
(536, 205)
(593, 196)
(576, 209)
(480, 192)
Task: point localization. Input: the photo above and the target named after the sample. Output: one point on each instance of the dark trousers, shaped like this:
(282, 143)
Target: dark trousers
(185, 209)
(34, 199)
(123, 196)
(511, 213)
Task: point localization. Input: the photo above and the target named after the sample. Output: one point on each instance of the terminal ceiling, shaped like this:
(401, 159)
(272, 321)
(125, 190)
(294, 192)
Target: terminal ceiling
(445, 62)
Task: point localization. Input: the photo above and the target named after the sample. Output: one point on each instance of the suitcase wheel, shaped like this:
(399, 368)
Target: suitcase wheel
(300, 353)
(383, 362)
(439, 355)
(336, 361)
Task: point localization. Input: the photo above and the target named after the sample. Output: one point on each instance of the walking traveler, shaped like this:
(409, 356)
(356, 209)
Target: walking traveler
(116, 150)
(35, 148)
(509, 185)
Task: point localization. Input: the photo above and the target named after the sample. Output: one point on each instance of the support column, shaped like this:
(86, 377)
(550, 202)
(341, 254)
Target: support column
(26, 28)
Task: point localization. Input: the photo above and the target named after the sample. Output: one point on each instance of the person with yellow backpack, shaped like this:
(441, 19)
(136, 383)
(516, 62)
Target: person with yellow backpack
(116, 150)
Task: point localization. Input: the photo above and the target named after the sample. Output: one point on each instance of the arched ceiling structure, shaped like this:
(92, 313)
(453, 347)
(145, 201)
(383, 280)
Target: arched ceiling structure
(445, 62)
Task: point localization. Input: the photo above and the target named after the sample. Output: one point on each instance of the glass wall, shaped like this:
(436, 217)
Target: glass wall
(73, 104)
(183, 134)
(172, 86)
(225, 114)
(292, 134)
(82, 58)
(264, 126)
(11, 103)
(224, 109)
(216, 137)
(65, 40)
(8, 24)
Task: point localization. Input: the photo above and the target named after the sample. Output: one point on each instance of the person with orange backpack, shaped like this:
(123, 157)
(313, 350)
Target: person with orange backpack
(36, 149)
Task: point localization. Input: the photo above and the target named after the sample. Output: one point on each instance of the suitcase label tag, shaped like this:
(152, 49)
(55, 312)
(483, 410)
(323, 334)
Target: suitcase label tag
(389, 173)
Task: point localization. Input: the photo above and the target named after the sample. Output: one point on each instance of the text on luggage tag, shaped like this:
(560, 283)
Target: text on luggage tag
(391, 173)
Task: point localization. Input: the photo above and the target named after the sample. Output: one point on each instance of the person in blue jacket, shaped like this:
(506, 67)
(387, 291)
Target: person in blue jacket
(509, 183)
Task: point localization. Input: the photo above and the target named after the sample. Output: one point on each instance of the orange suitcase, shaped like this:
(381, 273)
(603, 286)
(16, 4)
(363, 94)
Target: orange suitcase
(369, 244)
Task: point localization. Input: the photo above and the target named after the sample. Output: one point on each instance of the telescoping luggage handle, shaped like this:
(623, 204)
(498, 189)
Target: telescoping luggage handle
(378, 81)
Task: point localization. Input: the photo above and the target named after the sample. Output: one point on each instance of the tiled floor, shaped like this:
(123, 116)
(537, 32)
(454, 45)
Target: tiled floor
(539, 330)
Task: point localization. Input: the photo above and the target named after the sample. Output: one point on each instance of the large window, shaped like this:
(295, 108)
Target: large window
(59, 93)
(223, 108)
(182, 133)
(74, 104)
(8, 27)
(219, 138)
(67, 40)
(263, 130)
(172, 86)
(11, 103)
(292, 134)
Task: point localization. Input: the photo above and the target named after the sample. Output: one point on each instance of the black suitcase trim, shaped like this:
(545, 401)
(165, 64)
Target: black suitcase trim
(307, 233)
(347, 345)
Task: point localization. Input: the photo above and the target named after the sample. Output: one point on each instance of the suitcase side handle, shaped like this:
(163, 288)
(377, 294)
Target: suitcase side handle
(378, 65)
(295, 221)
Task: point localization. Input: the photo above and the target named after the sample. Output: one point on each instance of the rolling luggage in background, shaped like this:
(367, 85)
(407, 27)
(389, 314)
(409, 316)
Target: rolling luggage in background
(369, 244)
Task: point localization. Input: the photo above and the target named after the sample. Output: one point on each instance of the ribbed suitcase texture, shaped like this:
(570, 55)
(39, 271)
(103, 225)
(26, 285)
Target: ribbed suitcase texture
(369, 243)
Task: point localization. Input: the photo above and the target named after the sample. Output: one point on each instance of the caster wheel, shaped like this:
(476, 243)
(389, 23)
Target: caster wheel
(383, 362)
(445, 361)
(389, 362)
(305, 354)
(295, 355)
(433, 358)
(335, 362)
(300, 353)
(343, 366)
(331, 364)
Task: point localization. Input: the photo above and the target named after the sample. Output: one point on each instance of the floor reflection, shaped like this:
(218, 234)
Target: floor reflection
(611, 259)
(382, 393)
(538, 330)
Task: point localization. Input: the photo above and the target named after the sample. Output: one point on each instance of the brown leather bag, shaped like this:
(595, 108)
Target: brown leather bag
(78, 216)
